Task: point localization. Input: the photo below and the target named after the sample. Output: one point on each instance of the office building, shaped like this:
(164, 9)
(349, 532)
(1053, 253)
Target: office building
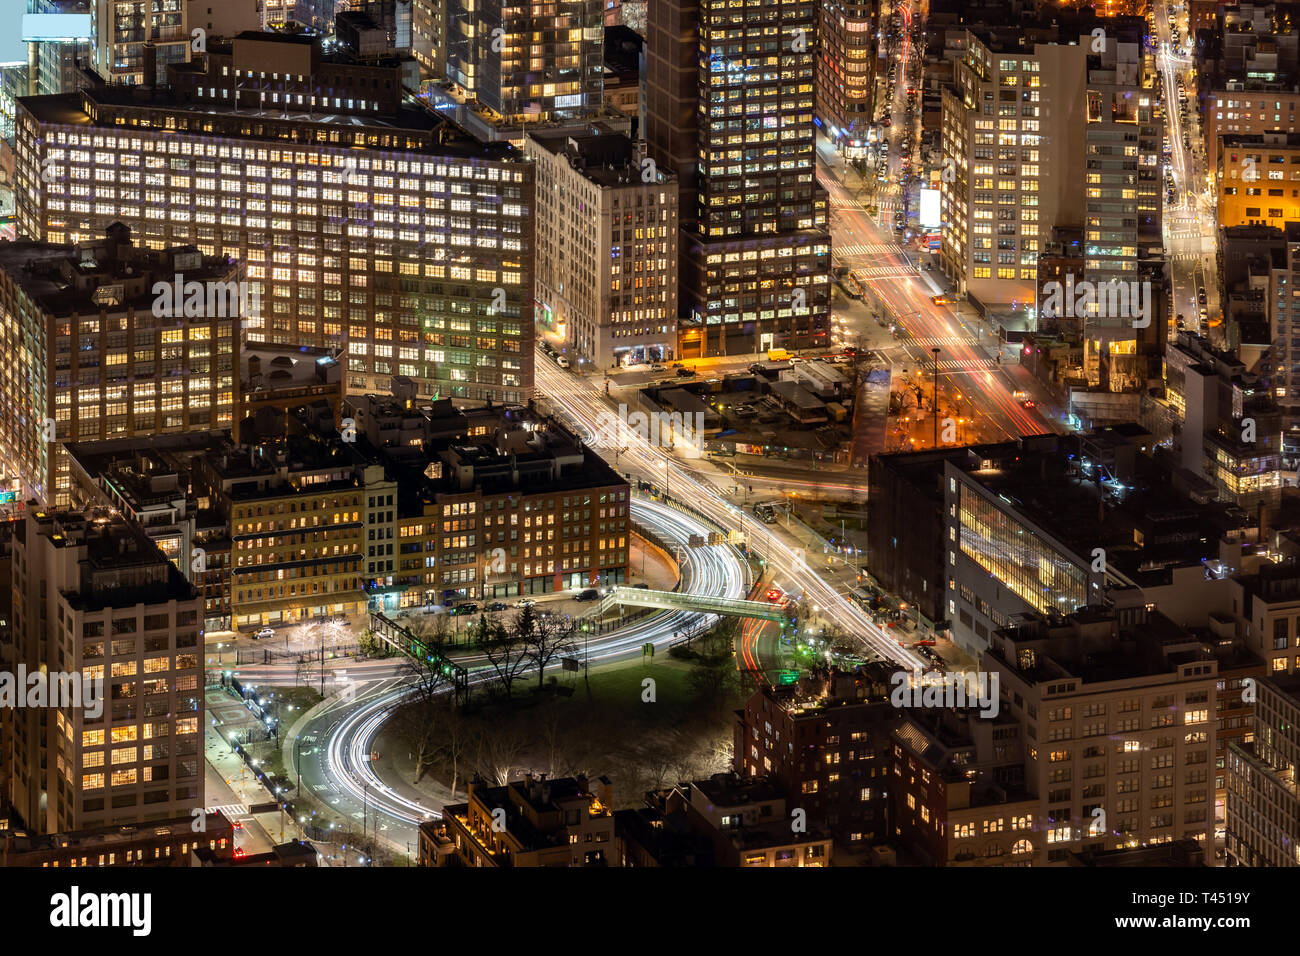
(606, 234)
(1122, 702)
(109, 339)
(536, 61)
(1263, 804)
(755, 250)
(368, 222)
(137, 40)
(122, 614)
(846, 72)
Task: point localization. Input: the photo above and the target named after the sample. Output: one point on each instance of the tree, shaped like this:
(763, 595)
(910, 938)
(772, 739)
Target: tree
(504, 649)
(456, 734)
(545, 640)
(496, 749)
(371, 646)
(418, 719)
(434, 630)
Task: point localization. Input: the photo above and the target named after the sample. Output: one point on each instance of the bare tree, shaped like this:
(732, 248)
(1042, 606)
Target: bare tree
(418, 718)
(504, 649)
(456, 738)
(496, 751)
(546, 641)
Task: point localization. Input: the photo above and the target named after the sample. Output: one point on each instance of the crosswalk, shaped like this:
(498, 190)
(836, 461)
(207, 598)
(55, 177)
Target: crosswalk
(884, 272)
(943, 341)
(870, 249)
(231, 811)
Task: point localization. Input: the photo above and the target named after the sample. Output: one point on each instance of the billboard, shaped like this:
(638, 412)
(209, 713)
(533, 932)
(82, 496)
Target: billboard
(930, 215)
(40, 27)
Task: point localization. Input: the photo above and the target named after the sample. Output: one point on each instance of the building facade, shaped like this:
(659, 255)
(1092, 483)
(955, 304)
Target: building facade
(846, 72)
(755, 250)
(110, 340)
(367, 222)
(96, 597)
(530, 62)
(136, 40)
(606, 235)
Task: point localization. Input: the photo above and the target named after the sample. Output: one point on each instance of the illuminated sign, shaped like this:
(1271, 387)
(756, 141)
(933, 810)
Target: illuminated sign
(41, 27)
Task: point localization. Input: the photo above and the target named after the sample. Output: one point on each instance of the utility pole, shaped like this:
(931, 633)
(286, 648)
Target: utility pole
(935, 350)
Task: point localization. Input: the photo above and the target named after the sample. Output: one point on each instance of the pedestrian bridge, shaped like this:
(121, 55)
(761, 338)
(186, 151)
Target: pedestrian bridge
(674, 600)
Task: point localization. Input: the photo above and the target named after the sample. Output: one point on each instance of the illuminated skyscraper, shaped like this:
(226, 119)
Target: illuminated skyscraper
(527, 60)
(123, 29)
(730, 110)
(846, 74)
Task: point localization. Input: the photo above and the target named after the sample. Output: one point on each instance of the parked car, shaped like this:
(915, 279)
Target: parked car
(658, 368)
(526, 602)
(461, 609)
(590, 594)
(263, 632)
(686, 373)
(496, 606)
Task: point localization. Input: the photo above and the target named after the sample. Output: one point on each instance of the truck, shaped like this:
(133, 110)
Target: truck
(778, 355)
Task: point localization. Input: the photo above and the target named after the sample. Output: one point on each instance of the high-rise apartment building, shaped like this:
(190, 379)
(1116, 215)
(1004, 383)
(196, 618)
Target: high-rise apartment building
(1041, 138)
(527, 62)
(58, 57)
(96, 597)
(607, 235)
(846, 72)
(1123, 142)
(369, 222)
(1001, 191)
(429, 35)
(730, 112)
(101, 346)
(136, 40)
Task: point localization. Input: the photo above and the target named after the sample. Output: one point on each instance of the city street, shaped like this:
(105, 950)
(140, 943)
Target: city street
(1190, 221)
